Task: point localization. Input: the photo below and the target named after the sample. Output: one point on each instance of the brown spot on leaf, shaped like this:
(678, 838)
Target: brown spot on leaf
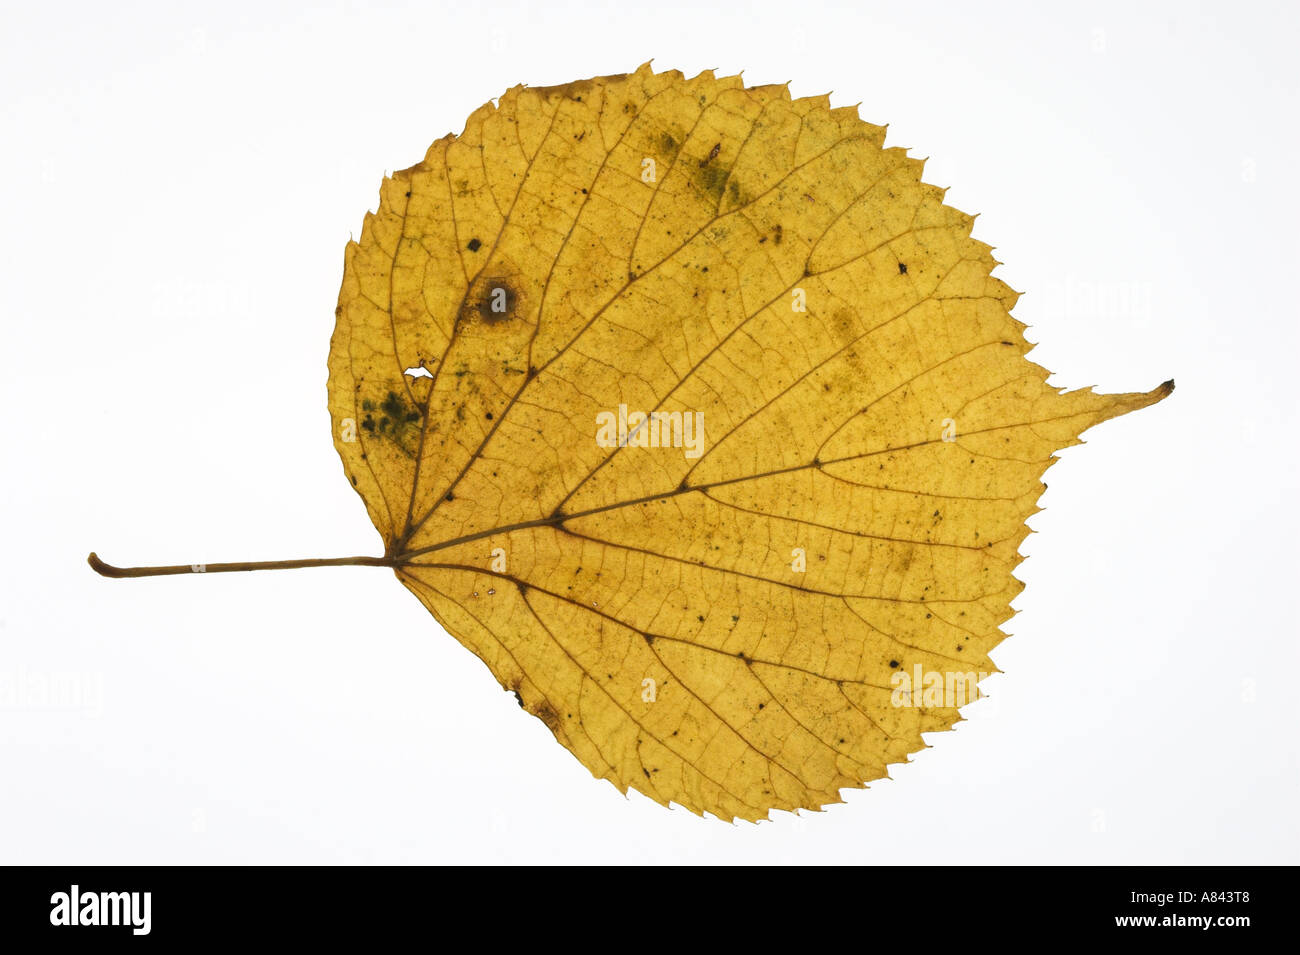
(493, 300)
(546, 713)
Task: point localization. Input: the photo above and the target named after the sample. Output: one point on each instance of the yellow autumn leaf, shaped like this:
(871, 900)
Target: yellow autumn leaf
(699, 418)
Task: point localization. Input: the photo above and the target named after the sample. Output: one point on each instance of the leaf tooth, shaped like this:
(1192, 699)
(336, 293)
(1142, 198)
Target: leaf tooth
(776, 91)
(823, 101)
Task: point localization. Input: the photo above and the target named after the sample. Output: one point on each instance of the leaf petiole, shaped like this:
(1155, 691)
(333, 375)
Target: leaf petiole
(108, 570)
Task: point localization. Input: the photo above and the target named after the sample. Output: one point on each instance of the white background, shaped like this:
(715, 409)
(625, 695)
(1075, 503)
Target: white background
(176, 187)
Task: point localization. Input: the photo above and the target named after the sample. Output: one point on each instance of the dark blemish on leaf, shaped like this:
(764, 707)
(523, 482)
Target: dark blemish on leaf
(397, 422)
(474, 245)
(778, 233)
(902, 269)
(488, 416)
(408, 193)
(354, 479)
(449, 497)
(893, 664)
(492, 300)
(546, 713)
(711, 180)
(393, 406)
(713, 154)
